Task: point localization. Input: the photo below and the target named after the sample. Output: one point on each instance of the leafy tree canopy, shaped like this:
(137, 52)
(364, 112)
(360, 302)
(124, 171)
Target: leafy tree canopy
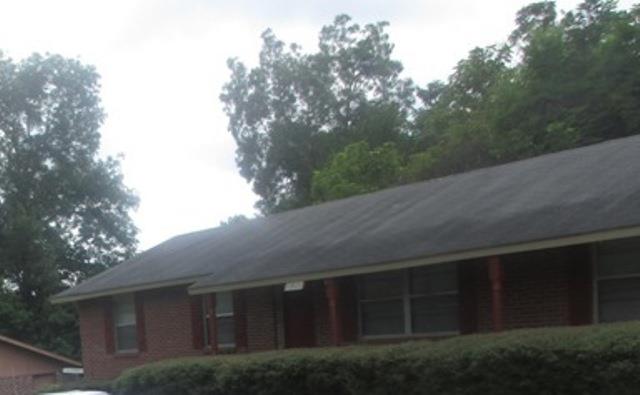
(357, 170)
(559, 83)
(234, 219)
(313, 127)
(294, 110)
(64, 211)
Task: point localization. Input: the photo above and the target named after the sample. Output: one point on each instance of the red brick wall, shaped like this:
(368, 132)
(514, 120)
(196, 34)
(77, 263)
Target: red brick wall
(18, 385)
(262, 322)
(537, 292)
(168, 333)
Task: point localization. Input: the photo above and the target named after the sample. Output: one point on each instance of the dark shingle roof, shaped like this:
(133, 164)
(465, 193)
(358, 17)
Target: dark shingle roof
(574, 192)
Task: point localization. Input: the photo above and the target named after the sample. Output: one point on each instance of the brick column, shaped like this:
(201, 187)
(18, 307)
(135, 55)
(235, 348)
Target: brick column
(335, 324)
(496, 276)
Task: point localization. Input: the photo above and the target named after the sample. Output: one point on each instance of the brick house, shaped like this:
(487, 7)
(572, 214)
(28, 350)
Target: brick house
(25, 368)
(548, 241)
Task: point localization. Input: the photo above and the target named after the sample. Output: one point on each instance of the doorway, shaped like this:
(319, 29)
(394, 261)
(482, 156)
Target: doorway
(299, 322)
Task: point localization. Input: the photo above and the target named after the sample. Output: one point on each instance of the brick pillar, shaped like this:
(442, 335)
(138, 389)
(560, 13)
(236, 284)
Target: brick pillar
(496, 276)
(335, 324)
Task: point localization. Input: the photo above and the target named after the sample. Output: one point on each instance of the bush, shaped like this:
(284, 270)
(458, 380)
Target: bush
(588, 360)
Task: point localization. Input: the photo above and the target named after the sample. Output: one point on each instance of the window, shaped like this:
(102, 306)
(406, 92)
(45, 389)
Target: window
(417, 301)
(434, 299)
(381, 303)
(124, 314)
(225, 335)
(618, 280)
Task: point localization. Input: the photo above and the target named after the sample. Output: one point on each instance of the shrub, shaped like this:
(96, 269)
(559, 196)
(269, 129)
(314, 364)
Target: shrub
(587, 360)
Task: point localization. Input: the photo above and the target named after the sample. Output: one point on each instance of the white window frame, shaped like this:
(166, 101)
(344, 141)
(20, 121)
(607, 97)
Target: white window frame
(128, 298)
(406, 304)
(225, 315)
(597, 278)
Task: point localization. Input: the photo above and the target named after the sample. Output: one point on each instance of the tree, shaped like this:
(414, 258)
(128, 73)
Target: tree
(356, 170)
(571, 83)
(313, 127)
(234, 219)
(454, 130)
(293, 111)
(64, 211)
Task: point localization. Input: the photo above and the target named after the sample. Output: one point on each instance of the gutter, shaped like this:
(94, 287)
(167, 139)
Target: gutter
(195, 289)
(123, 290)
(458, 256)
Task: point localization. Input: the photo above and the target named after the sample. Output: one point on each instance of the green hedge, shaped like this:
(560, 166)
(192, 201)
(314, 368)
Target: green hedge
(601, 359)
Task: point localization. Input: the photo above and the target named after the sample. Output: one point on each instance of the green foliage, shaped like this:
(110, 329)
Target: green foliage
(559, 81)
(601, 359)
(357, 170)
(64, 211)
(570, 84)
(294, 110)
(234, 219)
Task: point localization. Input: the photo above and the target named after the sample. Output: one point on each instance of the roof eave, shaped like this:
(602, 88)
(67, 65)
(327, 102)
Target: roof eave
(457, 256)
(122, 290)
(39, 351)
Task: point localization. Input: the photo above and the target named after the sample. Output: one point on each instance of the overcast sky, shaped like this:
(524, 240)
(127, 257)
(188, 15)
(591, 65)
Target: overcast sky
(163, 63)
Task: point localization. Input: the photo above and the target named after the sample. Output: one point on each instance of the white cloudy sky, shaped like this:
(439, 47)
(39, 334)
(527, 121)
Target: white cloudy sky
(163, 64)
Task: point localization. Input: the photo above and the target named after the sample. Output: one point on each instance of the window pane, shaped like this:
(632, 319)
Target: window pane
(224, 303)
(619, 257)
(226, 331)
(434, 279)
(124, 310)
(434, 314)
(126, 337)
(619, 300)
(382, 318)
(382, 285)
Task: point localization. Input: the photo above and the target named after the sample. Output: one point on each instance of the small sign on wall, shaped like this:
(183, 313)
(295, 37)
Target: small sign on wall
(294, 286)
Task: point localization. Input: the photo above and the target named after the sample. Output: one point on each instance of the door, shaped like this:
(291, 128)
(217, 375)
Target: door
(299, 324)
